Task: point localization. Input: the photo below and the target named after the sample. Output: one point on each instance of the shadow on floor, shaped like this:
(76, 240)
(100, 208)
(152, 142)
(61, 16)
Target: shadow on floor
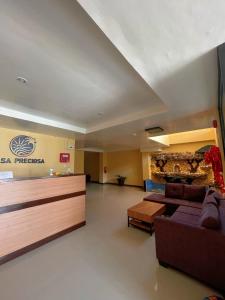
(132, 236)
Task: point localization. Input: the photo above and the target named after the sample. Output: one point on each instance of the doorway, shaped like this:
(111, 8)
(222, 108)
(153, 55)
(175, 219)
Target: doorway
(91, 166)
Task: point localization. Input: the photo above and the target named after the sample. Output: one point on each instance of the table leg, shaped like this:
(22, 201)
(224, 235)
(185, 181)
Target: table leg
(151, 228)
(128, 221)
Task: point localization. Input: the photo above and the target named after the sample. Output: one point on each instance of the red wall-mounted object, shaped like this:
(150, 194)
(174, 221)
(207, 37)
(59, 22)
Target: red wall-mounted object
(64, 157)
(214, 122)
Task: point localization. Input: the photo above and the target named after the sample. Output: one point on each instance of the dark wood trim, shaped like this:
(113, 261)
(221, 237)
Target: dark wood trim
(130, 185)
(19, 206)
(35, 245)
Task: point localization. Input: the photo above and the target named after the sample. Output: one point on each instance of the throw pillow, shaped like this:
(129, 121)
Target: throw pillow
(210, 199)
(218, 196)
(210, 217)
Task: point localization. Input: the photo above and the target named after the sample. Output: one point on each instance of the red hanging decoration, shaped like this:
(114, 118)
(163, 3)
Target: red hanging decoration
(213, 156)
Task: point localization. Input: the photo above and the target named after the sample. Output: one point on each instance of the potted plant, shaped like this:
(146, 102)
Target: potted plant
(120, 179)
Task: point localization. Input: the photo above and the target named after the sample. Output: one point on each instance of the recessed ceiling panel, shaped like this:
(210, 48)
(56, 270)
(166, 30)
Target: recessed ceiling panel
(74, 73)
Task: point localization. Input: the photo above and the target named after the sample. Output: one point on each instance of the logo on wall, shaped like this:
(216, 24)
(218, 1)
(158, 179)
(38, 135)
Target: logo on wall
(22, 145)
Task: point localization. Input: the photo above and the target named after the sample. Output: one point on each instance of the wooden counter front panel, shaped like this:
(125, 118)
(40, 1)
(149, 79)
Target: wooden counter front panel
(21, 228)
(30, 190)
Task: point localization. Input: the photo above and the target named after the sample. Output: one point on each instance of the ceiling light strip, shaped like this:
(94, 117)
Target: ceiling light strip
(40, 120)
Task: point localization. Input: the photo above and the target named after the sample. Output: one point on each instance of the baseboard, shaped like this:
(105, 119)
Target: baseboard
(130, 185)
(114, 183)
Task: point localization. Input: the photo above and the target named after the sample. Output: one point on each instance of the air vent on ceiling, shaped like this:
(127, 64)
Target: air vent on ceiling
(21, 79)
(154, 130)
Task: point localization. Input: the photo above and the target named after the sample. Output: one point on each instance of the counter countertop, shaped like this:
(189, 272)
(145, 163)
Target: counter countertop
(37, 177)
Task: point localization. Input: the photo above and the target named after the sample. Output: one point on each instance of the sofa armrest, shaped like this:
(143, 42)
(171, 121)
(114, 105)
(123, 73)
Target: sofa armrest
(195, 250)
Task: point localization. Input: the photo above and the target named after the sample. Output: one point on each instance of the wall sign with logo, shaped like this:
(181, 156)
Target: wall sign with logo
(22, 146)
(64, 157)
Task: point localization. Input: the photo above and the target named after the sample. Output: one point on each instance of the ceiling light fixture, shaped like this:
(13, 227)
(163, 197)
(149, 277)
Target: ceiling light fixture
(21, 79)
(154, 130)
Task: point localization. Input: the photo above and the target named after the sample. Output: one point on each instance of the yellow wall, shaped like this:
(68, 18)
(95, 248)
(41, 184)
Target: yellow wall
(79, 161)
(91, 165)
(102, 164)
(200, 135)
(146, 162)
(47, 147)
(125, 163)
(188, 147)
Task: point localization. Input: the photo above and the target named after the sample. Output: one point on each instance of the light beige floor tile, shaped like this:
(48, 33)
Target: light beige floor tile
(104, 260)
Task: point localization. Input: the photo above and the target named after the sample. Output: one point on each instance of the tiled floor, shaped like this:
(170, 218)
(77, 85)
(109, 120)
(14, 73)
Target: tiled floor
(104, 260)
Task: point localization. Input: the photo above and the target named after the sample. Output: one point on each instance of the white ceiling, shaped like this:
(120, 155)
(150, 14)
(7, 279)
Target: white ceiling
(74, 72)
(169, 43)
(133, 136)
(140, 63)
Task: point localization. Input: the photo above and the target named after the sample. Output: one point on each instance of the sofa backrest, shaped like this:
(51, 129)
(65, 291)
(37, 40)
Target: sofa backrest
(174, 190)
(195, 193)
(222, 216)
(213, 200)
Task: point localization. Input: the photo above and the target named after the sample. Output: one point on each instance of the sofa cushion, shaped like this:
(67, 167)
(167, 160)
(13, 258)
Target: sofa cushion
(210, 217)
(182, 218)
(155, 197)
(177, 202)
(222, 216)
(222, 205)
(218, 196)
(210, 191)
(194, 193)
(189, 210)
(210, 199)
(174, 190)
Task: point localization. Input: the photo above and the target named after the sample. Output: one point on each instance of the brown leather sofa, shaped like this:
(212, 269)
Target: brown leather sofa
(192, 240)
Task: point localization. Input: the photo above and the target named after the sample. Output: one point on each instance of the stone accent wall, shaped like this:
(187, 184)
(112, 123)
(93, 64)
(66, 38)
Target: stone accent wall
(182, 166)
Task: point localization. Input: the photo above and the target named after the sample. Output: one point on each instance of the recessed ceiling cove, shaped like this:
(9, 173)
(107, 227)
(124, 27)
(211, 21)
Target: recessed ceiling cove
(73, 71)
(171, 44)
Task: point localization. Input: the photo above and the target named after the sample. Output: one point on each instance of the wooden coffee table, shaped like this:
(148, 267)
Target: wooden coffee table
(142, 214)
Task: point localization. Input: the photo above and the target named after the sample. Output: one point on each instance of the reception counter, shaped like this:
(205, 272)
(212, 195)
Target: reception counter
(36, 211)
